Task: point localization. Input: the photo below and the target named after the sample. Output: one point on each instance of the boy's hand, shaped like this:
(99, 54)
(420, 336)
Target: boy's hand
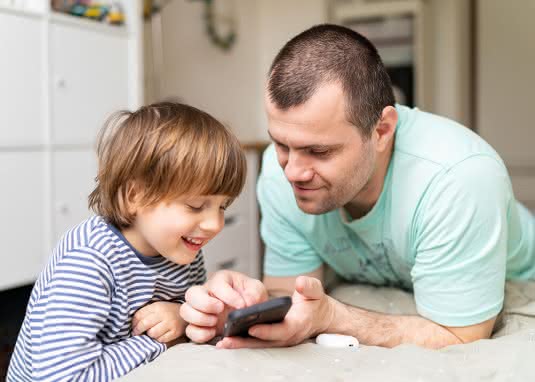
(160, 320)
(207, 306)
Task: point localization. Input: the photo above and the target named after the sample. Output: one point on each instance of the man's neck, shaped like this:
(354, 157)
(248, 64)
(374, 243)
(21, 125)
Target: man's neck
(370, 193)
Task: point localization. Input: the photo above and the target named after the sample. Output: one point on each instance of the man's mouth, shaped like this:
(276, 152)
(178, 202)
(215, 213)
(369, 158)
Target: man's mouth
(304, 189)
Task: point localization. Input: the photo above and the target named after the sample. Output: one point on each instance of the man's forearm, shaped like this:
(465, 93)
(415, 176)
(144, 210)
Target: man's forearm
(379, 329)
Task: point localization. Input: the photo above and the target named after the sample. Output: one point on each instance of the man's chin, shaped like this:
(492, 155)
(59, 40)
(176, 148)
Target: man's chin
(311, 207)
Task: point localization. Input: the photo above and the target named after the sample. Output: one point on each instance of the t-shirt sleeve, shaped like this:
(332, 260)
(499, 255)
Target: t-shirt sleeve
(287, 252)
(461, 243)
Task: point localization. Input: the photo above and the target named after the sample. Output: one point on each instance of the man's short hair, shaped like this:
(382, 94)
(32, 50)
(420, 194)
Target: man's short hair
(168, 150)
(331, 53)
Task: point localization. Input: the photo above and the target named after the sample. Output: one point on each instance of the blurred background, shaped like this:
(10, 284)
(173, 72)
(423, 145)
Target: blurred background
(65, 65)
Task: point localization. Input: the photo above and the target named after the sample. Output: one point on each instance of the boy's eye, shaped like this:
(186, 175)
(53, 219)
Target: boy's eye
(195, 208)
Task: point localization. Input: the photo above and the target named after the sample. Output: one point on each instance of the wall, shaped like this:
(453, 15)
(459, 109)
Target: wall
(505, 87)
(229, 85)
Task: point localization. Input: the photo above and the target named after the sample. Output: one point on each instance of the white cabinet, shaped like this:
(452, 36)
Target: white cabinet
(21, 208)
(60, 77)
(237, 247)
(73, 174)
(21, 80)
(89, 75)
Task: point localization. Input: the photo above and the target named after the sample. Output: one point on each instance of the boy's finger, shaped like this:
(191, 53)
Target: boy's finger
(158, 330)
(145, 324)
(167, 337)
(195, 317)
(254, 293)
(200, 334)
(200, 300)
(227, 294)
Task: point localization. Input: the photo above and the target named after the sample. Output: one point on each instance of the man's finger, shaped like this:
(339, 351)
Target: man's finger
(195, 317)
(271, 332)
(309, 287)
(244, 342)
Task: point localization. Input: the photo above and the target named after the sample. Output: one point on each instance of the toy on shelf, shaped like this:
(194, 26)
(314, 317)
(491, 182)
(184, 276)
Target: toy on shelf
(115, 14)
(104, 11)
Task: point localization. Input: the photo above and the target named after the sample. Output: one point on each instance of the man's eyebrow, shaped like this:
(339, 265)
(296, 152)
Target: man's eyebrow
(318, 147)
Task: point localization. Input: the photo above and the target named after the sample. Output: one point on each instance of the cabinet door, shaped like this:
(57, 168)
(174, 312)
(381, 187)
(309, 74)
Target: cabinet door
(22, 202)
(73, 180)
(21, 81)
(237, 247)
(89, 74)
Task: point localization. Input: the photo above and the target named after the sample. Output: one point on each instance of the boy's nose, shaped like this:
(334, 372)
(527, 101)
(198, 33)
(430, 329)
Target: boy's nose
(212, 223)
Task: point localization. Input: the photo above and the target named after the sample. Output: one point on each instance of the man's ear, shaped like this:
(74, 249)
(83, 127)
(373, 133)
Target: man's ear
(385, 128)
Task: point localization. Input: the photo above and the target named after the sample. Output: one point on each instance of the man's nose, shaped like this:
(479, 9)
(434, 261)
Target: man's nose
(297, 169)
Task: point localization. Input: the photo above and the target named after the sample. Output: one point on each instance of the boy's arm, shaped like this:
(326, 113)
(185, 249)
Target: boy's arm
(65, 323)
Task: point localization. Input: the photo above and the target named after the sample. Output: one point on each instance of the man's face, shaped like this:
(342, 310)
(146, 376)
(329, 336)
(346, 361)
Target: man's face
(324, 157)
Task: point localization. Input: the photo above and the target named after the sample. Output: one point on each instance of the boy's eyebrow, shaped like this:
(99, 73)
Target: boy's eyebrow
(318, 147)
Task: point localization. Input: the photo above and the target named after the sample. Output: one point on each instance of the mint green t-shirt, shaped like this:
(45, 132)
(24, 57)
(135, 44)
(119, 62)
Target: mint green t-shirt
(446, 225)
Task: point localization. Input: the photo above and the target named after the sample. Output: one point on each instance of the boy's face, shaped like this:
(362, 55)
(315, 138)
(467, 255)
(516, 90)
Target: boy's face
(177, 230)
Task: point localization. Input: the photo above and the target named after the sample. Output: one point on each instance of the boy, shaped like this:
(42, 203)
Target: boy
(166, 174)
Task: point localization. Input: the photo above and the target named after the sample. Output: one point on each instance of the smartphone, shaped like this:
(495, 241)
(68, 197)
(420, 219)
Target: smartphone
(239, 321)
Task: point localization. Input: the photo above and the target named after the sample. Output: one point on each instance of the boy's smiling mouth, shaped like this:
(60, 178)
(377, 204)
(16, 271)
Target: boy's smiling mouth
(193, 243)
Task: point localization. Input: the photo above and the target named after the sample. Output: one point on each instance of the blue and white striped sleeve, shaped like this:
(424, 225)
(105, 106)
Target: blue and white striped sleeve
(64, 325)
(198, 270)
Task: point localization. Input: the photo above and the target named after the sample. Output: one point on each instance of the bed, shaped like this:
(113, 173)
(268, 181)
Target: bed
(508, 356)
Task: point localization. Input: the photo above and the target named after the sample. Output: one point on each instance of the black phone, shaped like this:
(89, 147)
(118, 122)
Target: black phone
(239, 321)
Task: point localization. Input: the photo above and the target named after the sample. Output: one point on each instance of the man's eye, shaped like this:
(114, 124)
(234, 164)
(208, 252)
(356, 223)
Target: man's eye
(281, 146)
(195, 208)
(320, 153)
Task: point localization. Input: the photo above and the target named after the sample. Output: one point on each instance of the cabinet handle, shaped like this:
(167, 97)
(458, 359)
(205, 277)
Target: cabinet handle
(61, 83)
(63, 208)
(230, 220)
(229, 264)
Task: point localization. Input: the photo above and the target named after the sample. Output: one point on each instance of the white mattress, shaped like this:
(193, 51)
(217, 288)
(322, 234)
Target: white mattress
(509, 356)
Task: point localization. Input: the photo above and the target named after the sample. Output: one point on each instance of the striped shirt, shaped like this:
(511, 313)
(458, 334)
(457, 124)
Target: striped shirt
(79, 316)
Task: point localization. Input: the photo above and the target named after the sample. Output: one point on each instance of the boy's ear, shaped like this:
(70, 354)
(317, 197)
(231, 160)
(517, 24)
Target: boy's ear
(133, 197)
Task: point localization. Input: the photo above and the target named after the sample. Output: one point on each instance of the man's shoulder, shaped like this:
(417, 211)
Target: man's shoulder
(436, 141)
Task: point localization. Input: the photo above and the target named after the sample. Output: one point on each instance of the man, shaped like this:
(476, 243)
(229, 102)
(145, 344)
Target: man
(382, 194)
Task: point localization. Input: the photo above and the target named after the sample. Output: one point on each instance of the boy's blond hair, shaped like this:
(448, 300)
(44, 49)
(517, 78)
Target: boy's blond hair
(168, 150)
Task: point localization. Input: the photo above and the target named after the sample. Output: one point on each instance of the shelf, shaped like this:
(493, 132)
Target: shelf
(66, 19)
(19, 11)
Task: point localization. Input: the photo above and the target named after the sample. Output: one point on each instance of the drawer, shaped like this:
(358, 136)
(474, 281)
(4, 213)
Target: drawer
(231, 248)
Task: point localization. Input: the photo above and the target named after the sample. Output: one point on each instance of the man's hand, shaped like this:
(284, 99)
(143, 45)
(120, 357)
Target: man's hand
(311, 314)
(207, 306)
(160, 320)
